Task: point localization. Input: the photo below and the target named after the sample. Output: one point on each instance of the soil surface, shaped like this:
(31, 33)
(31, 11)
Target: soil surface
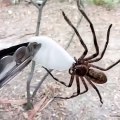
(18, 23)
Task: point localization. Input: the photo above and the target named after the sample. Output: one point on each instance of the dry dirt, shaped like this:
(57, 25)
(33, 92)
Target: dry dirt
(18, 20)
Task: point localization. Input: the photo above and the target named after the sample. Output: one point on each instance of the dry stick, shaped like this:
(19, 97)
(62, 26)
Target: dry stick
(26, 35)
(6, 36)
(39, 7)
(67, 46)
(39, 107)
(32, 113)
(10, 102)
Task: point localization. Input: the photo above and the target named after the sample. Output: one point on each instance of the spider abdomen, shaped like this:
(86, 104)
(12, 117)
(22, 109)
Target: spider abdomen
(96, 76)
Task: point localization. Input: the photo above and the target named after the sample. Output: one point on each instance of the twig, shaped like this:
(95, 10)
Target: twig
(67, 46)
(46, 104)
(6, 36)
(39, 84)
(36, 108)
(11, 102)
(33, 112)
(40, 8)
(26, 35)
(115, 115)
(39, 107)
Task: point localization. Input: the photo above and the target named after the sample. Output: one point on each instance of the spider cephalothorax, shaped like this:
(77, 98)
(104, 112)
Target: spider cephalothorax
(80, 68)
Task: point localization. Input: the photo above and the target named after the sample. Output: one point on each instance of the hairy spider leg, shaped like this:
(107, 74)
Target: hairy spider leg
(76, 93)
(105, 69)
(70, 83)
(102, 54)
(95, 89)
(78, 88)
(106, 44)
(77, 33)
(93, 32)
(86, 89)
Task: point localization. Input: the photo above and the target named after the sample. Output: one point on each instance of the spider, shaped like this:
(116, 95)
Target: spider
(82, 69)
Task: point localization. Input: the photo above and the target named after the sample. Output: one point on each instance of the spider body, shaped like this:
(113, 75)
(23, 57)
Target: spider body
(82, 69)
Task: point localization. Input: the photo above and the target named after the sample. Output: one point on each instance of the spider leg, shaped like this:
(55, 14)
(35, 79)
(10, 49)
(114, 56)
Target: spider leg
(106, 44)
(85, 85)
(71, 79)
(77, 33)
(78, 89)
(104, 69)
(96, 90)
(74, 94)
(78, 85)
(92, 30)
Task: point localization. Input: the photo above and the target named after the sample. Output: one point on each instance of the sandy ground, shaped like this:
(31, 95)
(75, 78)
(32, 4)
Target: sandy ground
(18, 20)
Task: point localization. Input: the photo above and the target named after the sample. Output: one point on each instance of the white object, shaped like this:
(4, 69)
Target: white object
(51, 55)
(9, 63)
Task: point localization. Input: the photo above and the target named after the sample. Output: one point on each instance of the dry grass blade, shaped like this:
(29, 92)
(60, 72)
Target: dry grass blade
(40, 8)
(4, 37)
(46, 104)
(39, 107)
(12, 102)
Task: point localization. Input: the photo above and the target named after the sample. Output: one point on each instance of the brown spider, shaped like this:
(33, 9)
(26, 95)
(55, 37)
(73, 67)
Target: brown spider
(82, 67)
